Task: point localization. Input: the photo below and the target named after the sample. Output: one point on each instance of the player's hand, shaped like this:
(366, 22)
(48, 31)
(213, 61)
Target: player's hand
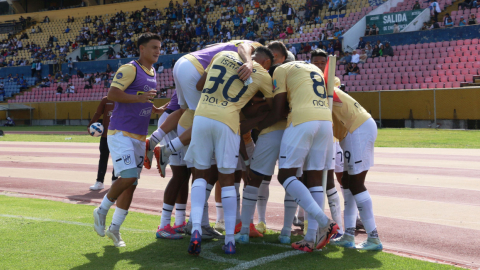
(88, 131)
(245, 71)
(147, 96)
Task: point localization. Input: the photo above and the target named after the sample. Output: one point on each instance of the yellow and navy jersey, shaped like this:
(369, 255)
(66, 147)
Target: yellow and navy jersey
(224, 94)
(348, 111)
(306, 92)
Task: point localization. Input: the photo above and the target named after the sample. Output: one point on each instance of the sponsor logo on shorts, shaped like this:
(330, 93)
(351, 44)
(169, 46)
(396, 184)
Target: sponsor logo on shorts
(127, 160)
(119, 75)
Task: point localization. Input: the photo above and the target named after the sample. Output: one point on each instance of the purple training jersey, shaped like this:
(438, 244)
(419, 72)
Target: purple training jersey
(134, 117)
(173, 105)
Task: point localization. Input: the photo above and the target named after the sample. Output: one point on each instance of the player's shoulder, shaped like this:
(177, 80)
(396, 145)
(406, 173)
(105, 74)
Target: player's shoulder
(125, 70)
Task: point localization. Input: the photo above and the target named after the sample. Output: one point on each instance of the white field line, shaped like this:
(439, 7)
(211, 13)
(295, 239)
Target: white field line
(68, 222)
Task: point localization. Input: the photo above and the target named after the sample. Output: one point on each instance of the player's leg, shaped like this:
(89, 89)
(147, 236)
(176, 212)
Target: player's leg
(332, 194)
(181, 208)
(305, 145)
(360, 162)
(180, 178)
(125, 197)
(211, 175)
(199, 153)
(123, 156)
(220, 222)
(102, 164)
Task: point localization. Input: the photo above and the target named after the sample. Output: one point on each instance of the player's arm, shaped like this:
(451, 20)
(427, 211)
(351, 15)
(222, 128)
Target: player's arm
(277, 113)
(121, 81)
(201, 82)
(245, 51)
(250, 123)
(253, 109)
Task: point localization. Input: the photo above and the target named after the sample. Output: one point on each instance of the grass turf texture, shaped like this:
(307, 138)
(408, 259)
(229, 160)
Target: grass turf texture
(387, 137)
(50, 244)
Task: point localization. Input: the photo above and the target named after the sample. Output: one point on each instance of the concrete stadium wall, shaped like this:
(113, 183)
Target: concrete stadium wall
(65, 113)
(434, 35)
(451, 104)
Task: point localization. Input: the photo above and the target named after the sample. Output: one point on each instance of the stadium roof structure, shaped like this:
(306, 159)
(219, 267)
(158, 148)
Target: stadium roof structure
(17, 107)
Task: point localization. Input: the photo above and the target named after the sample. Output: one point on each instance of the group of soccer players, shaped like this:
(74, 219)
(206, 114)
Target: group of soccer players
(224, 92)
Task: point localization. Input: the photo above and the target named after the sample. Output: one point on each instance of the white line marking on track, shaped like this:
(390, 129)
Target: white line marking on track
(68, 222)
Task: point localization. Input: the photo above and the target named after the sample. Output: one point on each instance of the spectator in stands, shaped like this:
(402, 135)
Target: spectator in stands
(322, 36)
(346, 59)
(361, 44)
(70, 89)
(109, 69)
(363, 57)
(472, 20)
(59, 90)
(445, 18)
(45, 82)
(462, 22)
(330, 49)
(355, 69)
(292, 49)
(381, 50)
(435, 10)
(70, 65)
(449, 23)
(67, 77)
(376, 51)
(67, 30)
(290, 12)
(314, 47)
(355, 57)
(348, 69)
(307, 48)
(416, 6)
(388, 50)
(32, 68)
(58, 76)
(368, 50)
(338, 33)
(2, 87)
(330, 25)
(46, 20)
(367, 30)
(80, 74)
(435, 25)
(374, 30)
(396, 28)
(465, 4)
(425, 26)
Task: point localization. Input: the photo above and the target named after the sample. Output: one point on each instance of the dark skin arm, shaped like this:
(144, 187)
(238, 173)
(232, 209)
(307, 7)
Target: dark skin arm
(201, 82)
(278, 112)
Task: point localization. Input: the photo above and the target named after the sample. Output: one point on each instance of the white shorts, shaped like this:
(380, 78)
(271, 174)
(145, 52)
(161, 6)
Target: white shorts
(127, 153)
(241, 163)
(266, 152)
(211, 138)
(358, 148)
(338, 158)
(173, 160)
(186, 77)
(179, 159)
(306, 145)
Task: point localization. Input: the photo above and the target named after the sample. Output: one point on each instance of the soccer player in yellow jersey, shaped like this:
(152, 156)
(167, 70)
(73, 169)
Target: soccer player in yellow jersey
(216, 132)
(304, 144)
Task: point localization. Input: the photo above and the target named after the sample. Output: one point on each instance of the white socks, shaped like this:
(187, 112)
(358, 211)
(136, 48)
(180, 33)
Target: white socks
(317, 195)
(229, 202)
(166, 215)
(174, 146)
(118, 218)
(156, 137)
(365, 208)
(180, 209)
(238, 216)
(263, 194)
(198, 202)
(350, 212)
(105, 206)
(250, 195)
(219, 211)
(302, 196)
(335, 210)
(290, 207)
(205, 220)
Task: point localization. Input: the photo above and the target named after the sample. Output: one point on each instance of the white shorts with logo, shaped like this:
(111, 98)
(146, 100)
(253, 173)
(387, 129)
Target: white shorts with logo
(307, 146)
(179, 159)
(186, 77)
(358, 148)
(211, 138)
(266, 152)
(338, 158)
(241, 163)
(174, 159)
(127, 153)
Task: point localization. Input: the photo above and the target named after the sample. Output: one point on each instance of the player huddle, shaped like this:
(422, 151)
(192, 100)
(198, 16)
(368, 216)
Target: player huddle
(224, 92)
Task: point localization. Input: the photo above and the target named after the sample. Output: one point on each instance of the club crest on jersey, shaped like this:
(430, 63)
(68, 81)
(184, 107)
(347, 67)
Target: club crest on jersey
(146, 88)
(127, 160)
(119, 75)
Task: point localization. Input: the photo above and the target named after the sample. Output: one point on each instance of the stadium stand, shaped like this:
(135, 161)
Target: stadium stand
(445, 64)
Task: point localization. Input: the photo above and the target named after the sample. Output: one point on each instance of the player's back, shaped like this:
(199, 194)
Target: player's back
(306, 92)
(348, 111)
(224, 94)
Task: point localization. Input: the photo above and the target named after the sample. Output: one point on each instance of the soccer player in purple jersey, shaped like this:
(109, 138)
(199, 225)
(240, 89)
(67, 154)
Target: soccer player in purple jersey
(132, 89)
